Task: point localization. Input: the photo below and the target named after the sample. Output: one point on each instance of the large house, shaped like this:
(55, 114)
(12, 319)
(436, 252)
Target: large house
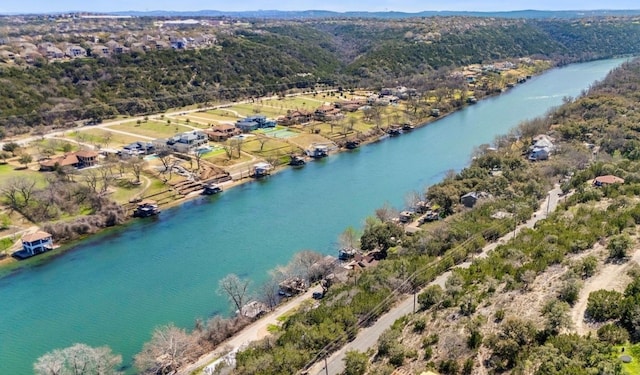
(252, 123)
(327, 113)
(184, 142)
(296, 117)
(79, 159)
(222, 132)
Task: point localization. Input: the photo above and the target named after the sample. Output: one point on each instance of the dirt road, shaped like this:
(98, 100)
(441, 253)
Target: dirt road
(610, 277)
(368, 337)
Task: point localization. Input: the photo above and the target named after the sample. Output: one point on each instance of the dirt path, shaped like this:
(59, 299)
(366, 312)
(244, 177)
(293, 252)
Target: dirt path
(611, 277)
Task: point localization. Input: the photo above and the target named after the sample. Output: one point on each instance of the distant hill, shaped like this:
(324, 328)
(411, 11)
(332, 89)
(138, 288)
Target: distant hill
(312, 14)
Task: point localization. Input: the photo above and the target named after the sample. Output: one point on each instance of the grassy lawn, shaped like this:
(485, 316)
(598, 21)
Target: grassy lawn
(298, 102)
(188, 122)
(9, 171)
(217, 115)
(272, 146)
(103, 137)
(153, 129)
(632, 351)
(251, 109)
(222, 160)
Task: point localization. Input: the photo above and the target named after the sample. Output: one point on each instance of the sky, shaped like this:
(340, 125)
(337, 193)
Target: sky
(49, 6)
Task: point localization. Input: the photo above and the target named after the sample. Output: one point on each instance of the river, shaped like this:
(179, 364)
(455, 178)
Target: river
(114, 288)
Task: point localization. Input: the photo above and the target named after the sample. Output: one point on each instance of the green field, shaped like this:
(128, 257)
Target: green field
(103, 137)
(632, 351)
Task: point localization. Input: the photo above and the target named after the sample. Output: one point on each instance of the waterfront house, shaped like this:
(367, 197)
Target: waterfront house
(319, 151)
(146, 208)
(297, 161)
(262, 169)
(211, 189)
(35, 243)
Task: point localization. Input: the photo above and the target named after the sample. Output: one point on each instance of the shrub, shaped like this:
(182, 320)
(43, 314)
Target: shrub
(604, 305)
(613, 334)
(618, 246)
(431, 296)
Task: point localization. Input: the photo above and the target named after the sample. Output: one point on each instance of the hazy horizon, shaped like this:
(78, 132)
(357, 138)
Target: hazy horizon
(411, 6)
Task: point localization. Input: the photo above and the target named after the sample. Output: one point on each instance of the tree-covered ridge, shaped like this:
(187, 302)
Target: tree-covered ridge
(267, 58)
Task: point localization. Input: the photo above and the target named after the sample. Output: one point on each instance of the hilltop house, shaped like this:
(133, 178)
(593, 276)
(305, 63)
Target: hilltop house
(541, 148)
(470, 199)
(75, 51)
(607, 180)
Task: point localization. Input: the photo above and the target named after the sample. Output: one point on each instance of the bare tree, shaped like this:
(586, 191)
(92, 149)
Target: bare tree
(78, 359)
(106, 176)
(303, 262)
(386, 213)
(269, 292)
(228, 149)
(349, 239)
(137, 165)
(263, 139)
(18, 192)
(236, 290)
(168, 349)
(164, 155)
(237, 145)
(91, 178)
(198, 157)
(412, 199)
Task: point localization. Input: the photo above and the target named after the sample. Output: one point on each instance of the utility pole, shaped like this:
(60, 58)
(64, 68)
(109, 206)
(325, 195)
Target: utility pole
(548, 204)
(326, 367)
(414, 300)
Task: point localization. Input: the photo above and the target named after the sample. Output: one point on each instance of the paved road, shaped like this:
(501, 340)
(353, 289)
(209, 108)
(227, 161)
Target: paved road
(26, 140)
(368, 337)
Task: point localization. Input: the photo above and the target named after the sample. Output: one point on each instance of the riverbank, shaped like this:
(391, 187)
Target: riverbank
(170, 266)
(376, 134)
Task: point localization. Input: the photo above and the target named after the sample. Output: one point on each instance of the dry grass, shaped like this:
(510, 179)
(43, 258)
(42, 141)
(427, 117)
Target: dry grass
(152, 129)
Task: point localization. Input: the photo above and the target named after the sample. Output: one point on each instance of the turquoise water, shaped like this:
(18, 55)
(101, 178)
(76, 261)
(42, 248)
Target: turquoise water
(114, 288)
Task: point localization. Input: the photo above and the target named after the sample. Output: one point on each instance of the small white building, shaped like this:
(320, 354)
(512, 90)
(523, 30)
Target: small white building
(36, 243)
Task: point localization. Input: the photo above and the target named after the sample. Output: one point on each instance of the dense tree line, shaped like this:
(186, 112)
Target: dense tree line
(272, 58)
